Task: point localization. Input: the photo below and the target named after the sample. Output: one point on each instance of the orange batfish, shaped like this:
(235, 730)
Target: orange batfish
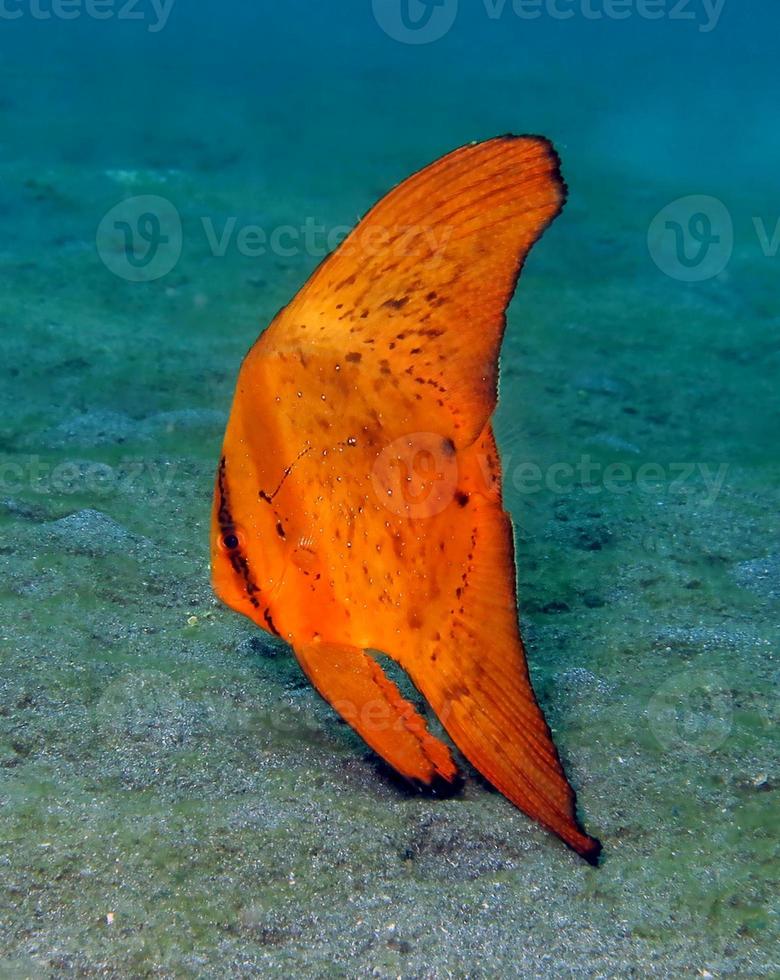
(358, 496)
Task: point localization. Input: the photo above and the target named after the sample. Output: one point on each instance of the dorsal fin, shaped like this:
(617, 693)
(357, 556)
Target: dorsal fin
(422, 283)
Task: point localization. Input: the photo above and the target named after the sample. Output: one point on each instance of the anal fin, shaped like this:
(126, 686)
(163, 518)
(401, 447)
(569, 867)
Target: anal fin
(476, 680)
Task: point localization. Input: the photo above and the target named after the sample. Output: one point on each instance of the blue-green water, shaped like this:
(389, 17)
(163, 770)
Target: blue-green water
(175, 801)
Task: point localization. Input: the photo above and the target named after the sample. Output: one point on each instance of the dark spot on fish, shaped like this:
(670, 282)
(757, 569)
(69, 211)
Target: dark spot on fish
(270, 623)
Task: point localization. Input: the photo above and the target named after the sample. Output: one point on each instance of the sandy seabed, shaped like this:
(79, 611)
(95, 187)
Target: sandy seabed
(175, 801)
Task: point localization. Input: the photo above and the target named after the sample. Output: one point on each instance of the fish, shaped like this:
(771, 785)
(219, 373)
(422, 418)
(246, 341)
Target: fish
(357, 506)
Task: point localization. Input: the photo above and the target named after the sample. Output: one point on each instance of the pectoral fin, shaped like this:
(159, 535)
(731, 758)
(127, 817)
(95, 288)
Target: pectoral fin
(358, 689)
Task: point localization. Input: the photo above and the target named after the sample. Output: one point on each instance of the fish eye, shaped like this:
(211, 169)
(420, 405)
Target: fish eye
(230, 539)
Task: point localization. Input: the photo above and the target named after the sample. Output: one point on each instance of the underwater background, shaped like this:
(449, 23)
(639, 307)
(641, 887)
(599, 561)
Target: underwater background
(175, 800)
